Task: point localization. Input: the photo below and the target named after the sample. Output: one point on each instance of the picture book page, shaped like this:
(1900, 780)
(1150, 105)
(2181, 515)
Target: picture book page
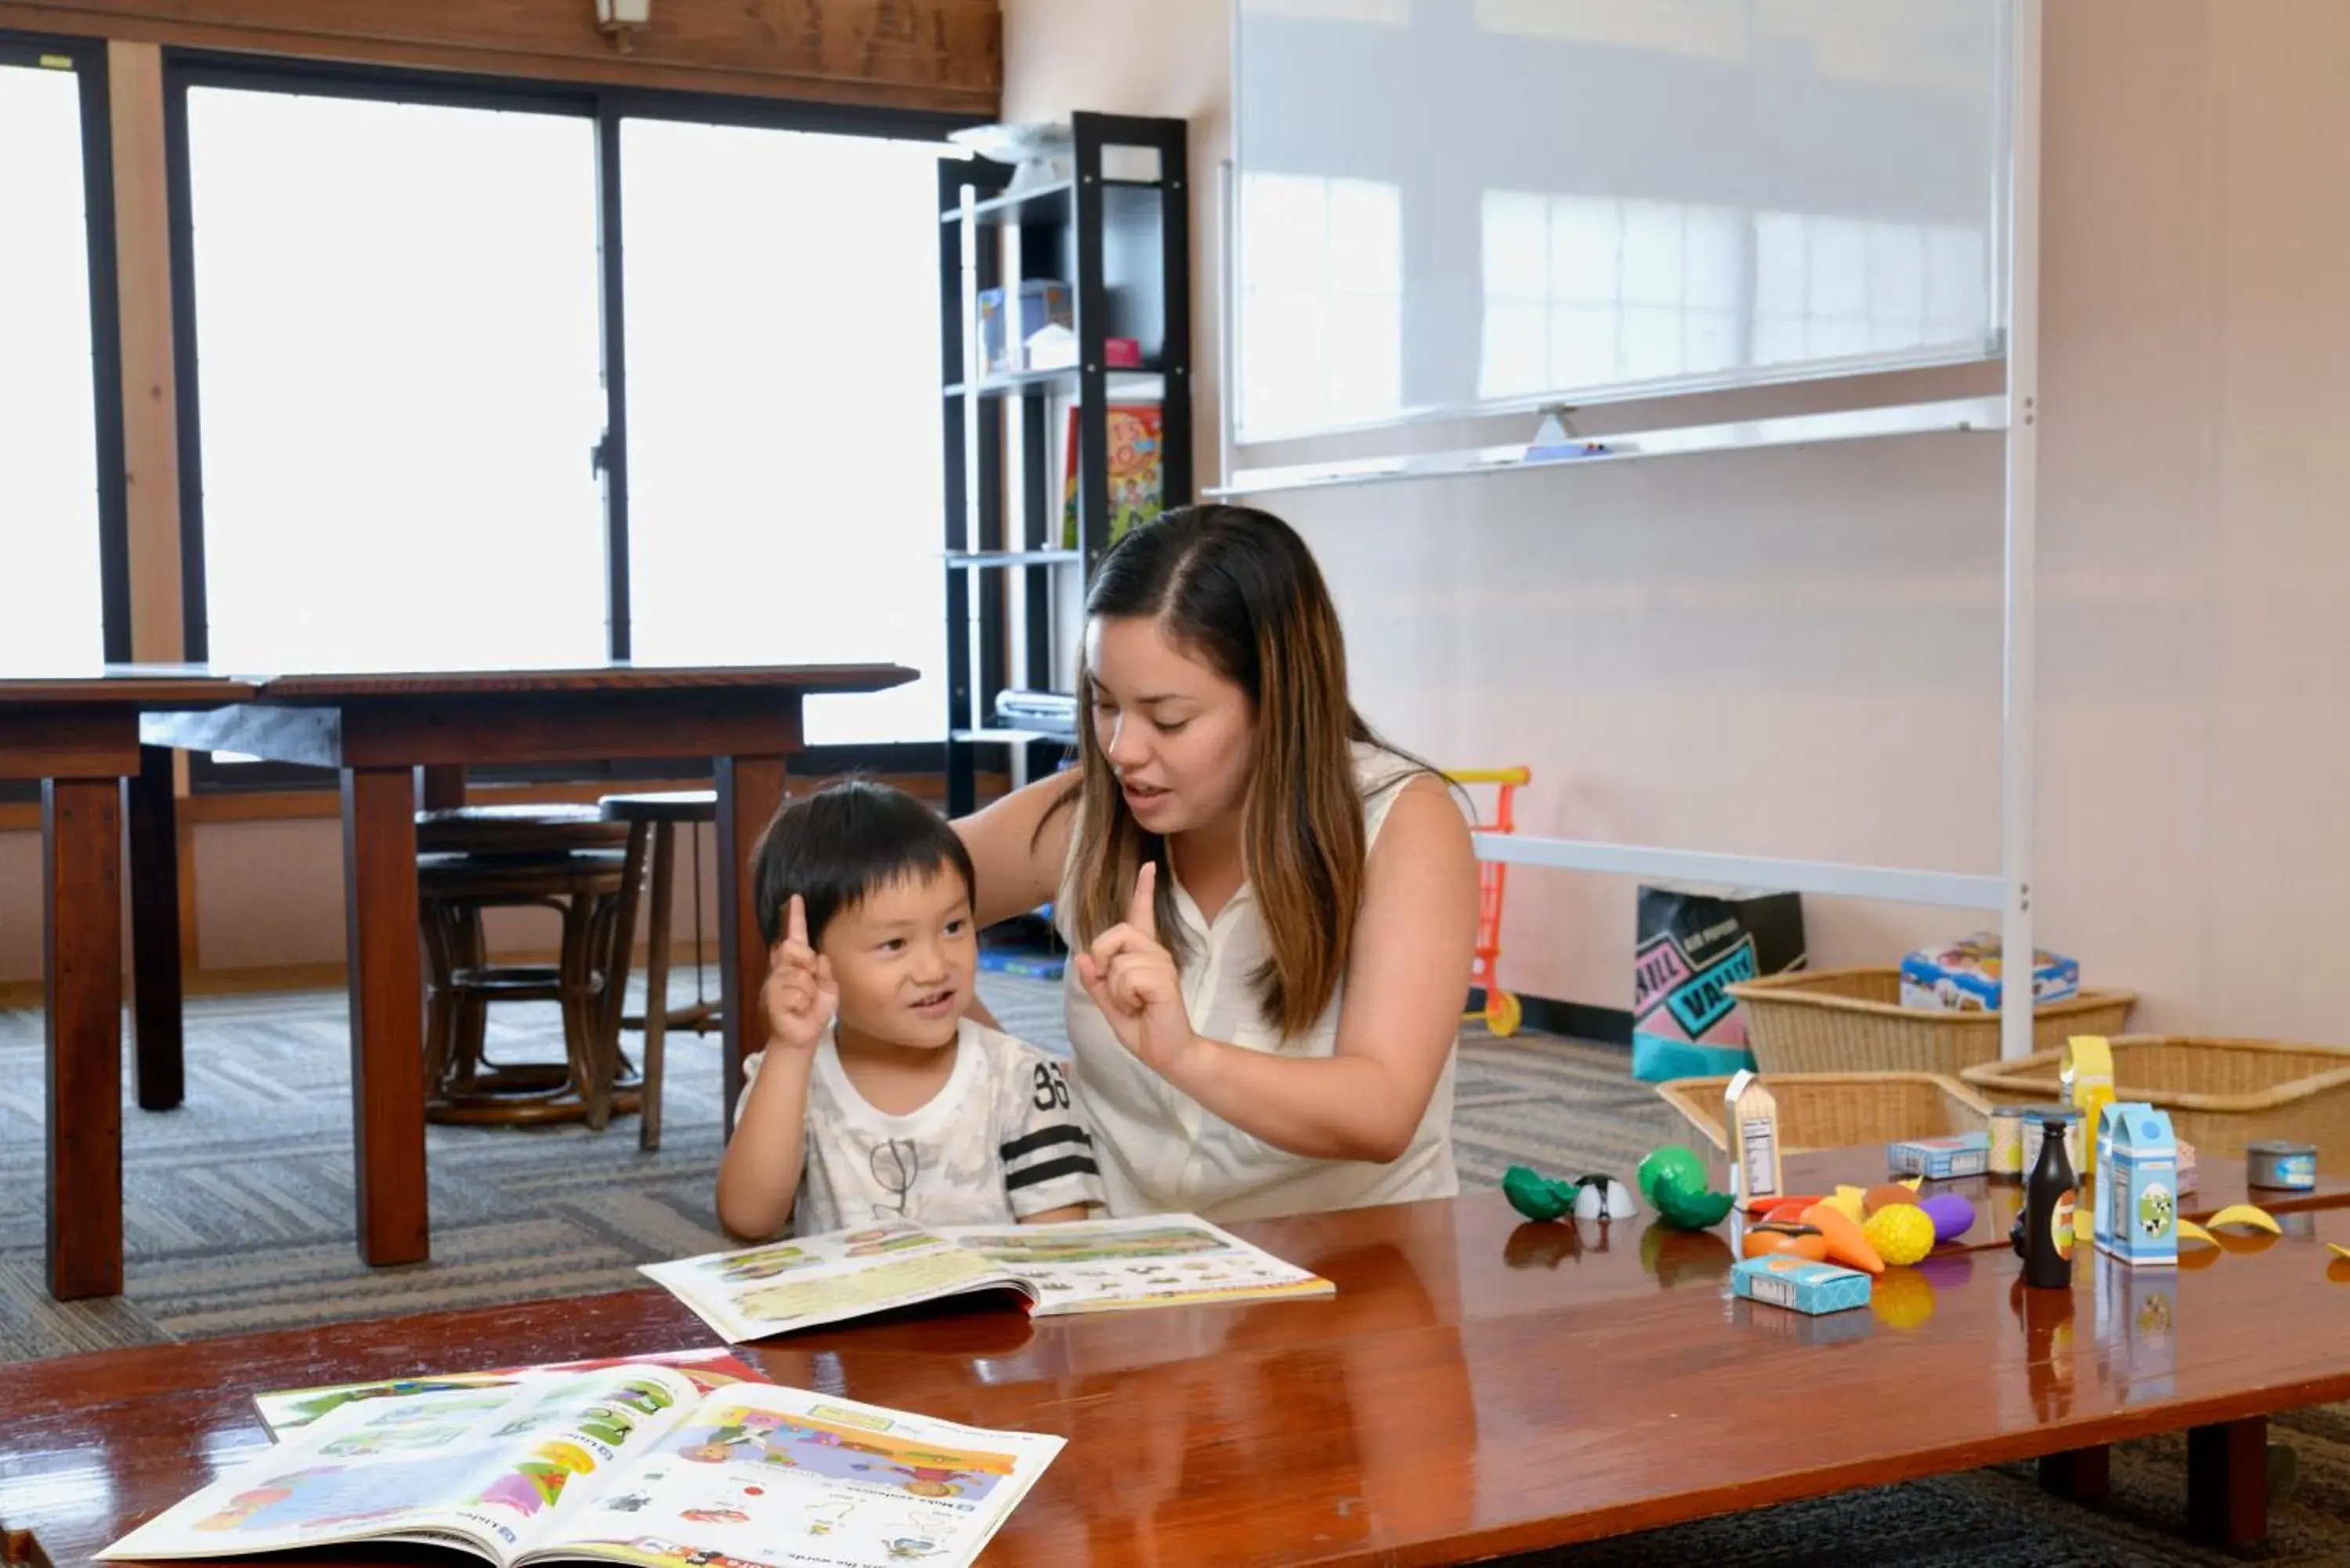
(759, 1477)
(1106, 1265)
(289, 1409)
(483, 1465)
(813, 1280)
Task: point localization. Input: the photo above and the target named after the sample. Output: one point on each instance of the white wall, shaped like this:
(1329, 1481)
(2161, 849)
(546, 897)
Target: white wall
(1797, 652)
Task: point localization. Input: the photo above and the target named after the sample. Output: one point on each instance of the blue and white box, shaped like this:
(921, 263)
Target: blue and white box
(1941, 1159)
(2137, 1186)
(1800, 1284)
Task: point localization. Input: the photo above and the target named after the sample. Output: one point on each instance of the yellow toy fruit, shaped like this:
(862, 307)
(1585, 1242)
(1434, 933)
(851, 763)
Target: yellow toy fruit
(1901, 1232)
(1848, 1202)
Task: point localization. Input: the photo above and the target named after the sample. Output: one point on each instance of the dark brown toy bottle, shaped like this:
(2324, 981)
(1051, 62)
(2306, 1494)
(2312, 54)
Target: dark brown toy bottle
(2048, 1200)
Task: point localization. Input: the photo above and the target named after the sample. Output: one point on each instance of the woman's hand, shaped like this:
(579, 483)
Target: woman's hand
(1131, 978)
(799, 996)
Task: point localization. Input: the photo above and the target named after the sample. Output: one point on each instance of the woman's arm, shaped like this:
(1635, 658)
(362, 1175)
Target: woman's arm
(1407, 978)
(1017, 866)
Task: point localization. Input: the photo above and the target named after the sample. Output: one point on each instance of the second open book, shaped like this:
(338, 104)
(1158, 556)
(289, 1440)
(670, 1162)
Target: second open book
(1091, 1265)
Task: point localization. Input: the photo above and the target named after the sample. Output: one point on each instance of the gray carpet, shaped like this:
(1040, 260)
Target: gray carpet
(239, 1213)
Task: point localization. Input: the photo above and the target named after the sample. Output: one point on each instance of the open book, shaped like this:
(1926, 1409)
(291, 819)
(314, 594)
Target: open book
(627, 1464)
(285, 1410)
(1087, 1265)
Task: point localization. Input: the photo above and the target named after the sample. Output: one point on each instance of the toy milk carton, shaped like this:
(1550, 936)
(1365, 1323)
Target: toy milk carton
(1941, 1159)
(1782, 1279)
(1751, 1114)
(2137, 1186)
(2086, 1071)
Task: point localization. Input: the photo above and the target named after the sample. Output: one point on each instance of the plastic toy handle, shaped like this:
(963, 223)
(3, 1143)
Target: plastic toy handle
(1518, 776)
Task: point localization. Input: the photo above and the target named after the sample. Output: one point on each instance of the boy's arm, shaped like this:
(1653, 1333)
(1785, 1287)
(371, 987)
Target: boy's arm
(759, 1176)
(1045, 1153)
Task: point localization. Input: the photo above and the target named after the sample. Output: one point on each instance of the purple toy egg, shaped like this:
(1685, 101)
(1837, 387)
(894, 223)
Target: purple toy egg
(1952, 1215)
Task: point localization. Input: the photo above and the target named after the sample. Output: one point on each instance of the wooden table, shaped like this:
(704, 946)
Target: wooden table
(1480, 1385)
(79, 736)
(377, 729)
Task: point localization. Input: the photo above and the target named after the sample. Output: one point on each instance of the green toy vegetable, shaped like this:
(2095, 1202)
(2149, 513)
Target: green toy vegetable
(1673, 1181)
(1538, 1197)
(1672, 1160)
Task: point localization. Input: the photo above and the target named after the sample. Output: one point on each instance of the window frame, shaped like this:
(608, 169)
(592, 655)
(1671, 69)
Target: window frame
(88, 58)
(608, 107)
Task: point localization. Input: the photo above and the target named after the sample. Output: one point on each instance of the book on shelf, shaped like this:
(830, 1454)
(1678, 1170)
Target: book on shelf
(1083, 1266)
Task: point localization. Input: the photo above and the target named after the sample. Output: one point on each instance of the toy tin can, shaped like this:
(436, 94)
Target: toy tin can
(2007, 1143)
(2281, 1165)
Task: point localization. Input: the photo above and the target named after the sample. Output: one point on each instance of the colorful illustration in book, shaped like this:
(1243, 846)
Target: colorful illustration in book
(331, 1496)
(827, 1451)
(607, 1426)
(646, 1398)
(538, 1480)
(1167, 1242)
(392, 1438)
(931, 1481)
(659, 1550)
(715, 1515)
(906, 1548)
(825, 1517)
(764, 1263)
(288, 1410)
(878, 1243)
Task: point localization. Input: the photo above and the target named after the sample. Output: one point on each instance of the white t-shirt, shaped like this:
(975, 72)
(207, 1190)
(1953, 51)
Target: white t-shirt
(999, 1142)
(1162, 1152)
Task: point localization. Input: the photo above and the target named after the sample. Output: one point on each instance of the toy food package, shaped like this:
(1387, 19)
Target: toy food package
(1692, 945)
(1965, 976)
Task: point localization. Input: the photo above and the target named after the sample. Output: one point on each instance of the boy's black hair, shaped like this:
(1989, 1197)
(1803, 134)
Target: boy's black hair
(836, 846)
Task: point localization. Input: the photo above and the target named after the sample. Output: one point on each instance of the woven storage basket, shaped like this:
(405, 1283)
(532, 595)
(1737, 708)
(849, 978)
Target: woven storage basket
(2220, 1093)
(1839, 1110)
(1852, 1021)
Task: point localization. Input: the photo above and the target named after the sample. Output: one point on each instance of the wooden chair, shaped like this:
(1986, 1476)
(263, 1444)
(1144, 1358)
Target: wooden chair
(650, 820)
(472, 858)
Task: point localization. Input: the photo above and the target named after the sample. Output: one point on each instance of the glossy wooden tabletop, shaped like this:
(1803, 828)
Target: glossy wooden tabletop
(1479, 1384)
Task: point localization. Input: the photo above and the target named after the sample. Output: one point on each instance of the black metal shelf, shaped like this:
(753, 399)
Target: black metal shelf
(1036, 205)
(1150, 385)
(1122, 248)
(960, 559)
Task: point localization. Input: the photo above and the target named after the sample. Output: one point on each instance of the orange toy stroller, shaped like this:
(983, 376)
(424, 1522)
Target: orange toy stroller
(1503, 1012)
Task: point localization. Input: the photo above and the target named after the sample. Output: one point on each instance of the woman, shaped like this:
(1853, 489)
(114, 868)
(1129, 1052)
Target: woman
(1271, 914)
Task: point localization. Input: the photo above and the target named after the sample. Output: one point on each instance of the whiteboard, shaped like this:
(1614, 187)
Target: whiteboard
(1454, 207)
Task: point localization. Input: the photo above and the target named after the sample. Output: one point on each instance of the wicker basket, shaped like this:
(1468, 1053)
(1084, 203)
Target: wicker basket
(2220, 1093)
(1852, 1021)
(1839, 1110)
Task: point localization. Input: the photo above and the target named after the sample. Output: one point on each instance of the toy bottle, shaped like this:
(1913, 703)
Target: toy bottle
(2049, 1194)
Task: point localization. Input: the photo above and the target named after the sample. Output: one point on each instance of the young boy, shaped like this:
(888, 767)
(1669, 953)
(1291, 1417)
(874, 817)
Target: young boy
(876, 1098)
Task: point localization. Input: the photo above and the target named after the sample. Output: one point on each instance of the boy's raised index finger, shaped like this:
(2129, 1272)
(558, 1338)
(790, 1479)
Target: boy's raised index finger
(796, 921)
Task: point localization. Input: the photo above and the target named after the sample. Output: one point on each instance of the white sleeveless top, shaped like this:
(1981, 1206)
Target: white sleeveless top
(1160, 1152)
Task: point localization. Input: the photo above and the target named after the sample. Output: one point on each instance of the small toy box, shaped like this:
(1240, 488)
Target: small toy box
(1965, 976)
(1042, 302)
(2137, 1190)
(1781, 1279)
(1751, 1114)
(1941, 1159)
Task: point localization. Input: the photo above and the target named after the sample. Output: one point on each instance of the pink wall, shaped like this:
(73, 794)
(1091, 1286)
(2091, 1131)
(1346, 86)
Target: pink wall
(1796, 652)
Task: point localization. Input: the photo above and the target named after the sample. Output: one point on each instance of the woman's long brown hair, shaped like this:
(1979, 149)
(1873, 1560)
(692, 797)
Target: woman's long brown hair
(1237, 589)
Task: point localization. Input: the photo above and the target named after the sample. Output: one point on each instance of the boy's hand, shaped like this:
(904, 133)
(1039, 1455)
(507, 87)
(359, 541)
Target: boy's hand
(1131, 977)
(799, 996)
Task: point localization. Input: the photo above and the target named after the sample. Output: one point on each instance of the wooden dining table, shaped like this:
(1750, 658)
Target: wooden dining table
(77, 734)
(378, 731)
(1479, 1384)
